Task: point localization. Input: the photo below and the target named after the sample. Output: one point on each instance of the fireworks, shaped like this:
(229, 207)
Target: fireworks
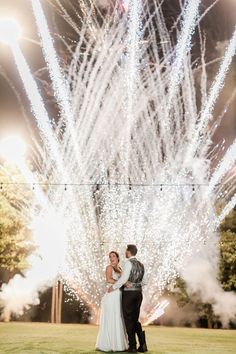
(128, 152)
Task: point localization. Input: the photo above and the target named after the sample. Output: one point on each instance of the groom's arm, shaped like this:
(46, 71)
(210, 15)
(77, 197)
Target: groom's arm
(124, 277)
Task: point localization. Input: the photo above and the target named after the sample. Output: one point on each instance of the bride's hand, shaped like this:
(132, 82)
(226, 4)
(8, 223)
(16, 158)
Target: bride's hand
(110, 289)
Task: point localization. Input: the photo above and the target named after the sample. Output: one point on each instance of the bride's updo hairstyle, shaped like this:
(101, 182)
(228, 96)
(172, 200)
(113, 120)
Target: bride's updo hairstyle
(117, 255)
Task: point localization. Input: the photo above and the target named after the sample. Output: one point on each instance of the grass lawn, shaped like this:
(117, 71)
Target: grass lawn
(45, 338)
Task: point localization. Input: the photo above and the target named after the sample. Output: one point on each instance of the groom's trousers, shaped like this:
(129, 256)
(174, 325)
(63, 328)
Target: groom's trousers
(131, 302)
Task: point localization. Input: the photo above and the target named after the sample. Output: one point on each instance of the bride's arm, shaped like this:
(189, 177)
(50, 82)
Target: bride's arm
(109, 278)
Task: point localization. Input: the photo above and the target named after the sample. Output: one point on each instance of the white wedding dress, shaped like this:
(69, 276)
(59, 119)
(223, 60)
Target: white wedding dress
(112, 334)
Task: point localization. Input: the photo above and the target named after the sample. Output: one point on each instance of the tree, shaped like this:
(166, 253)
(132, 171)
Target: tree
(15, 237)
(229, 222)
(228, 260)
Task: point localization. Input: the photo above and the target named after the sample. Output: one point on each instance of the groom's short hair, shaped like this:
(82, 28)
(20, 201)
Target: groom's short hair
(132, 249)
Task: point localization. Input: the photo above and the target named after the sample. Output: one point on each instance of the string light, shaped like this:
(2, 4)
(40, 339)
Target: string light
(129, 185)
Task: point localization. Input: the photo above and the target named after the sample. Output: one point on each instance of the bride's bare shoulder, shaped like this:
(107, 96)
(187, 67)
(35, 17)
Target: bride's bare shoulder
(109, 271)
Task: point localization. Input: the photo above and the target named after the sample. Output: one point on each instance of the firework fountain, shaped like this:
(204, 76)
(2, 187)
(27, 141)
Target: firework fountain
(128, 161)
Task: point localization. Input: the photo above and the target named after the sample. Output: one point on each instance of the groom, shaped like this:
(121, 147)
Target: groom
(132, 298)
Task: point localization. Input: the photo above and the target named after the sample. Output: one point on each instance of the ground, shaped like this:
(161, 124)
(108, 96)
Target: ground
(46, 338)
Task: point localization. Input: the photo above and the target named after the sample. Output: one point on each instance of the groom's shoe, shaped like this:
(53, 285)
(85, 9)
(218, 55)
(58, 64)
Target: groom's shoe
(143, 346)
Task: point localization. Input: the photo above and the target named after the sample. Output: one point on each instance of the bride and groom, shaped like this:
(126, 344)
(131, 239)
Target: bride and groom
(120, 309)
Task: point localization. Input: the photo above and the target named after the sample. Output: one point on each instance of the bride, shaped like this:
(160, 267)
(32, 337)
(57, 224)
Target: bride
(112, 334)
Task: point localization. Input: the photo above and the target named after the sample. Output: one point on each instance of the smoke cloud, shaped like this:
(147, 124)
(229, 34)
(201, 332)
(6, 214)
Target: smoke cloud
(201, 277)
(45, 265)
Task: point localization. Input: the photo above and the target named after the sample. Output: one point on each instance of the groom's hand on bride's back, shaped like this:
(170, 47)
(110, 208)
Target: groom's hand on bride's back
(128, 284)
(110, 289)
